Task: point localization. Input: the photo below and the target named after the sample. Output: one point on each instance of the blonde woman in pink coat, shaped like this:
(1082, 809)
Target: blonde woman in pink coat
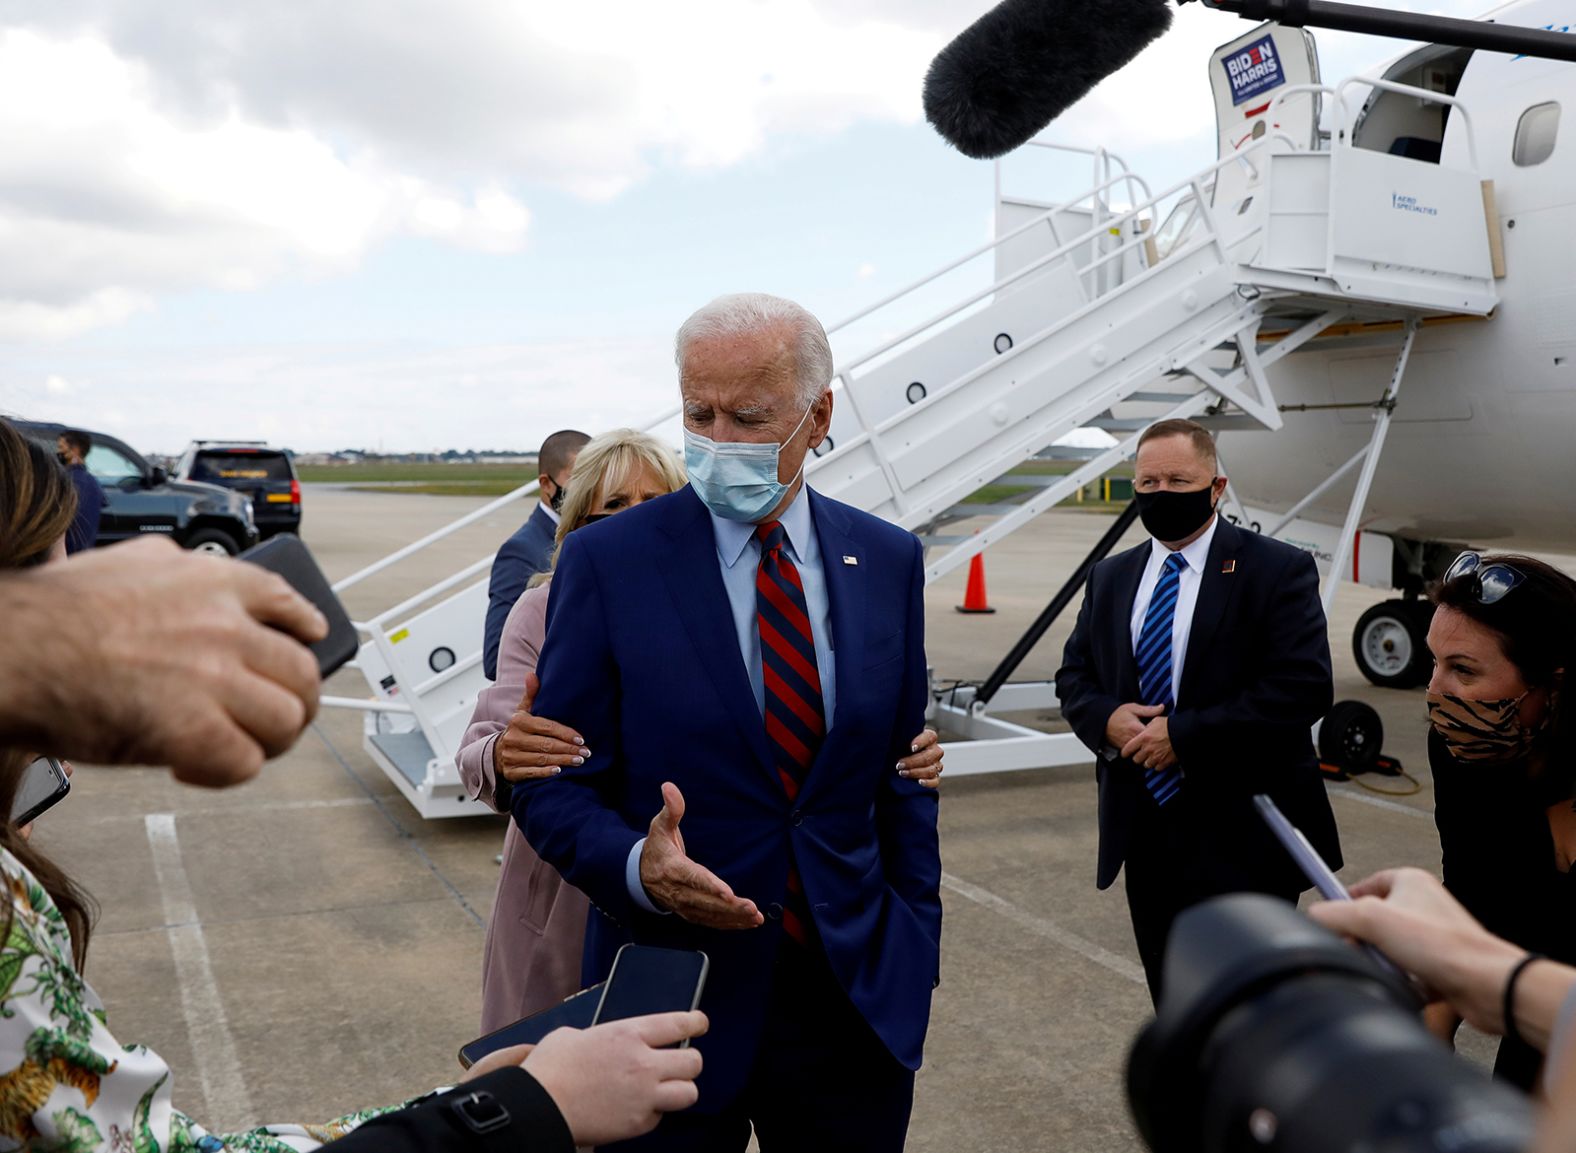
(537, 929)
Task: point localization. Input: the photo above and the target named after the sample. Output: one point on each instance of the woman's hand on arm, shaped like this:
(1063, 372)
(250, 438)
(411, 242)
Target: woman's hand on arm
(533, 747)
(923, 764)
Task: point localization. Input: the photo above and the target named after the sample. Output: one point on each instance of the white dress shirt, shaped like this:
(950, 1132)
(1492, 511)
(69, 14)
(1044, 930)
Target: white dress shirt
(1194, 557)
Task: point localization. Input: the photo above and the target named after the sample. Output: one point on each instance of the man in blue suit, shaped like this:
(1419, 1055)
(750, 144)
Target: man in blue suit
(746, 659)
(530, 550)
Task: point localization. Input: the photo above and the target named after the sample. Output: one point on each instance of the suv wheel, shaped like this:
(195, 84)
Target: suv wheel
(212, 542)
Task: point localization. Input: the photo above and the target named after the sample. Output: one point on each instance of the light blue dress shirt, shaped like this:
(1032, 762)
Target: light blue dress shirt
(739, 555)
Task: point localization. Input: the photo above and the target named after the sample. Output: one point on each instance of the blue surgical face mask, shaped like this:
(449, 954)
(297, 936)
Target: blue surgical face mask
(738, 481)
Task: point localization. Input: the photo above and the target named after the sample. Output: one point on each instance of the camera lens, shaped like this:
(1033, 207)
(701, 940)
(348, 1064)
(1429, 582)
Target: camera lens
(1272, 1034)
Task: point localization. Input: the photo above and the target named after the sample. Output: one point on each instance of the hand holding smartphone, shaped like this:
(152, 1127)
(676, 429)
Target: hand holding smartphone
(573, 1012)
(287, 555)
(648, 980)
(644, 980)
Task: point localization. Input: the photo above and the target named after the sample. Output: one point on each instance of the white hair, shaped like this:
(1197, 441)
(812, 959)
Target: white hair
(744, 313)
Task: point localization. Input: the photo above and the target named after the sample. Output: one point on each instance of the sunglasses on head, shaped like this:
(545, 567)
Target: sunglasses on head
(1490, 582)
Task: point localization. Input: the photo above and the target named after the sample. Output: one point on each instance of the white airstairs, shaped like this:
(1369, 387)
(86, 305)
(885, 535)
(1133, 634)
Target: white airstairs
(1108, 310)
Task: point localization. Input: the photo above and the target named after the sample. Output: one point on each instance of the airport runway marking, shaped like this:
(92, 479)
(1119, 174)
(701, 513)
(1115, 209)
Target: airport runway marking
(1051, 931)
(1348, 793)
(233, 810)
(207, 1026)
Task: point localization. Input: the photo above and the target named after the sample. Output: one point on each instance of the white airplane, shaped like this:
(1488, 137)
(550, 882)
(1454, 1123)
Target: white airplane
(1480, 448)
(1367, 293)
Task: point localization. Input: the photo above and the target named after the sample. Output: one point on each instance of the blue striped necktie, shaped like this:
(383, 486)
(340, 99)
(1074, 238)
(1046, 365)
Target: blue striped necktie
(1153, 655)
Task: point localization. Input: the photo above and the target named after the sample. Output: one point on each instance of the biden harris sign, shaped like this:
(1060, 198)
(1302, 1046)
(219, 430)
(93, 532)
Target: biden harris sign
(1254, 70)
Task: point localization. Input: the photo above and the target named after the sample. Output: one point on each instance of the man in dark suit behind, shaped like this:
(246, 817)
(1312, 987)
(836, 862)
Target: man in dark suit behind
(530, 550)
(747, 657)
(1197, 669)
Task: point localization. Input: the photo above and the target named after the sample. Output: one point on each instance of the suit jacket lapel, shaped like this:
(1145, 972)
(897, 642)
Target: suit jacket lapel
(695, 584)
(846, 589)
(1125, 581)
(1216, 588)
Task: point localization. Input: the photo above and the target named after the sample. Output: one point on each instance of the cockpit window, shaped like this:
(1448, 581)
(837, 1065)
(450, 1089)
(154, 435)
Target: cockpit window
(1535, 134)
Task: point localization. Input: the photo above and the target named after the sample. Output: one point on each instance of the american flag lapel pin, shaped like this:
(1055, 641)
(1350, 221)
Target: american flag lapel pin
(1228, 567)
(853, 560)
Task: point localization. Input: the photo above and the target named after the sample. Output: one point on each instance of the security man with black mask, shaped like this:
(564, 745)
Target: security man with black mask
(1196, 671)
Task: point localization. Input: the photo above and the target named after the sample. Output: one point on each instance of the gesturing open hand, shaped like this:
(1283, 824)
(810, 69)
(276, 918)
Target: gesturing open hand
(677, 884)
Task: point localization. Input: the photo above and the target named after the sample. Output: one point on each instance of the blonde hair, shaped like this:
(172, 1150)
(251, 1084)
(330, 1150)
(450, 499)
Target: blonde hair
(607, 461)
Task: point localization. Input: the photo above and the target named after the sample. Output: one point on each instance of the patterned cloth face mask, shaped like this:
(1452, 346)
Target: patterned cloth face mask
(1482, 730)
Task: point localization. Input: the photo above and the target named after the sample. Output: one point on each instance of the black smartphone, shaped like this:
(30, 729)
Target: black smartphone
(574, 1012)
(650, 980)
(287, 555)
(43, 783)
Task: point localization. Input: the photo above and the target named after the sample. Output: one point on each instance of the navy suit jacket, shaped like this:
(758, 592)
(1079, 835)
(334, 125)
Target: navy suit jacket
(528, 552)
(1255, 680)
(642, 659)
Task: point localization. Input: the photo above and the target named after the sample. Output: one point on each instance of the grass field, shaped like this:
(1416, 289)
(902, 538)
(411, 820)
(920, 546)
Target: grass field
(497, 479)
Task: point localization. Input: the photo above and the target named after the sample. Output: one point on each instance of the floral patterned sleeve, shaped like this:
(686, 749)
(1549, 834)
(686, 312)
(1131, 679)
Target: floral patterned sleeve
(66, 1084)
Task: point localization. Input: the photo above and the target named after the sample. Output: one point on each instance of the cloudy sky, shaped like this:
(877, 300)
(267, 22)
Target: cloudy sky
(423, 224)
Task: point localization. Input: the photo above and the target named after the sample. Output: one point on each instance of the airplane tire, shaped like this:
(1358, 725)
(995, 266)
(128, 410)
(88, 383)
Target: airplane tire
(1390, 645)
(1351, 736)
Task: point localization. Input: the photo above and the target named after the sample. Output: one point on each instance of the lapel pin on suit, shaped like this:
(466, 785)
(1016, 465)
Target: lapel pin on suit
(1228, 566)
(853, 560)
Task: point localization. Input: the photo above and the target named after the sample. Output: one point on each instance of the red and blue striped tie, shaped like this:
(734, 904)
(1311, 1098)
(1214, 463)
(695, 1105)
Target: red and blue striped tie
(795, 715)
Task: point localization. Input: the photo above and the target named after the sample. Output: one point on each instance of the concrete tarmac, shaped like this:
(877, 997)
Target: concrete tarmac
(307, 945)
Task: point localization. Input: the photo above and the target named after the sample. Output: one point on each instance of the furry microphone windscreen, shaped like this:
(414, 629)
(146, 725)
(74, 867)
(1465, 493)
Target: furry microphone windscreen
(1025, 62)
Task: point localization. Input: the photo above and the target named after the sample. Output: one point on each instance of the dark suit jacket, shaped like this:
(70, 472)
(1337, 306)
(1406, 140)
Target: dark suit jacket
(528, 552)
(1255, 680)
(642, 659)
(534, 1123)
(90, 507)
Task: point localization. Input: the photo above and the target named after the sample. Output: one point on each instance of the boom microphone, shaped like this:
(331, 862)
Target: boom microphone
(1025, 62)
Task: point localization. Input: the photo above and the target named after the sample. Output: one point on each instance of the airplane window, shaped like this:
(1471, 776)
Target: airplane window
(1535, 134)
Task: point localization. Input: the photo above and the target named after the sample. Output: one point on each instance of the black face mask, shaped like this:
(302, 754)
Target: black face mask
(556, 501)
(1173, 516)
(593, 517)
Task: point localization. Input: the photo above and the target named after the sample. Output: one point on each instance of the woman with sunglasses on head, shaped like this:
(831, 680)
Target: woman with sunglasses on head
(1502, 748)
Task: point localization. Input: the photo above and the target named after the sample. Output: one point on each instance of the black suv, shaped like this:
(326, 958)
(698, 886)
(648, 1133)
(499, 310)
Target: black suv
(265, 476)
(141, 499)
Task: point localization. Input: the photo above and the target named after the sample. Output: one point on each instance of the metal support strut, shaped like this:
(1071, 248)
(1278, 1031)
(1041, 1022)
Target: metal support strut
(1064, 595)
(1384, 410)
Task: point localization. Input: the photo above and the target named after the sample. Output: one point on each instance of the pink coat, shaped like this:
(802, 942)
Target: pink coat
(538, 925)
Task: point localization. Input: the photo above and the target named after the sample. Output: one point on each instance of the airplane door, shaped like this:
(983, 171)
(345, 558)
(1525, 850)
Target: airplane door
(1249, 72)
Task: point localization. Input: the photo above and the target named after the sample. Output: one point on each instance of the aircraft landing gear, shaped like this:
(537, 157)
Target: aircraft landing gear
(1390, 644)
(1351, 737)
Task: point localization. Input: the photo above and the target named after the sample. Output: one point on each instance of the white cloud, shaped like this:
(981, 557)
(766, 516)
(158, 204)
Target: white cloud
(106, 201)
(149, 149)
(403, 397)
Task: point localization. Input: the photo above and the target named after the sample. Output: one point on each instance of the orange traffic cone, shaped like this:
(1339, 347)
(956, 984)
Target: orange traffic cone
(974, 600)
